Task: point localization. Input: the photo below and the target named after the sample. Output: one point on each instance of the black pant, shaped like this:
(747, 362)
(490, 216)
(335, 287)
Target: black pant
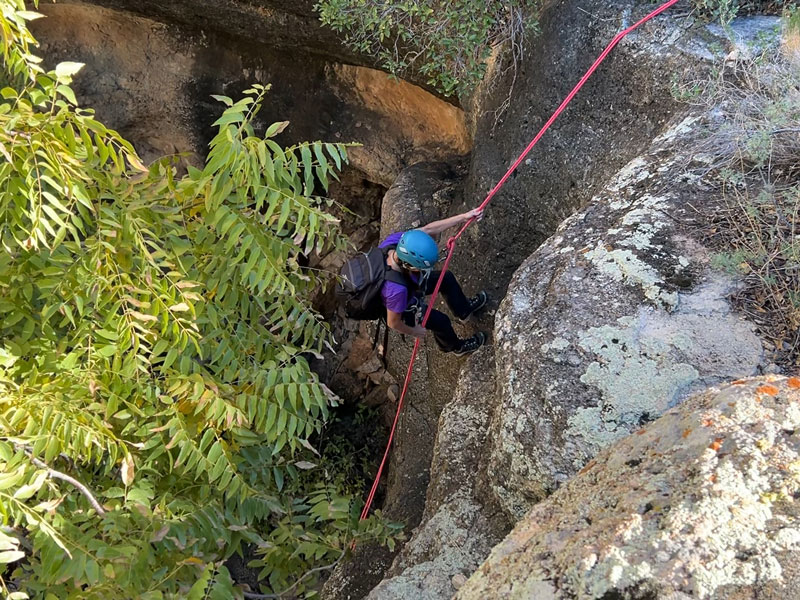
(438, 322)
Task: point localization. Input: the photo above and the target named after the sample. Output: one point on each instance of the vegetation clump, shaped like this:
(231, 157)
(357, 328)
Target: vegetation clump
(447, 42)
(156, 404)
(725, 11)
(754, 158)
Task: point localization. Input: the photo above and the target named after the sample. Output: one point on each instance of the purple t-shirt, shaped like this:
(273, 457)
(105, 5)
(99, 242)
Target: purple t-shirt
(395, 296)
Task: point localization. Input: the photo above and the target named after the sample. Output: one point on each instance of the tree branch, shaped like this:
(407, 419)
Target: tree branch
(64, 477)
(254, 596)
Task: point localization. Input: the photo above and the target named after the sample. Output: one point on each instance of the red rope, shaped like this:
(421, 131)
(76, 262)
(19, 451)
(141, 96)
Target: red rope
(452, 241)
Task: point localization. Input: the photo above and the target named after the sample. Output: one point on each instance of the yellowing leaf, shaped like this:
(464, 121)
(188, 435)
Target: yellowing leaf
(143, 317)
(136, 163)
(127, 470)
(180, 307)
(66, 70)
(29, 15)
(11, 556)
(49, 506)
(276, 128)
(160, 534)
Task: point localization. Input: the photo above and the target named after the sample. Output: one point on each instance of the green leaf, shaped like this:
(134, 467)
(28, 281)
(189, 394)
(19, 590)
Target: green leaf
(198, 590)
(229, 117)
(224, 99)
(287, 206)
(26, 491)
(278, 474)
(106, 351)
(68, 93)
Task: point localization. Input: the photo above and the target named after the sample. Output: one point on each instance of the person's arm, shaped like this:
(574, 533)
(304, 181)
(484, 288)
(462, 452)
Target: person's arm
(395, 321)
(443, 224)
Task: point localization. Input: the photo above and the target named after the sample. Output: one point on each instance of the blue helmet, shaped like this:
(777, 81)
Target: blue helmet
(417, 249)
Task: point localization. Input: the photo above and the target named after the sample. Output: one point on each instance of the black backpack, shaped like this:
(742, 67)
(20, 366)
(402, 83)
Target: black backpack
(362, 278)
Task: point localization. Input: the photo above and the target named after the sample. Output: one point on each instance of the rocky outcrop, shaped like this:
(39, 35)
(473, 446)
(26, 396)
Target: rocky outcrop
(702, 503)
(457, 529)
(618, 316)
(151, 78)
(611, 322)
(613, 119)
(285, 25)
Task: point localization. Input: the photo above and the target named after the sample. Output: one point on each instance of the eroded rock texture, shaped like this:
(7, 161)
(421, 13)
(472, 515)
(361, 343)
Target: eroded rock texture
(152, 67)
(457, 531)
(611, 322)
(702, 503)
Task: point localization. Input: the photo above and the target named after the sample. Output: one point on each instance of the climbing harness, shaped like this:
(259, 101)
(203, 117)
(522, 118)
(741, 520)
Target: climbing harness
(452, 241)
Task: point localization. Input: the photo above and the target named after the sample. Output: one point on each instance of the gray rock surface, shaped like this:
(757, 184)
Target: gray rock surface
(612, 321)
(674, 328)
(702, 503)
(457, 529)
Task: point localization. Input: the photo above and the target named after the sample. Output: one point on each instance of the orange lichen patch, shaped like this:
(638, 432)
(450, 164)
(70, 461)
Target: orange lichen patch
(716, 444)
(794, 382)
(713, 478)
(739, 382)
(768, 389)
(640, 432)
(707, 422)
(686, 432)
(587, 468)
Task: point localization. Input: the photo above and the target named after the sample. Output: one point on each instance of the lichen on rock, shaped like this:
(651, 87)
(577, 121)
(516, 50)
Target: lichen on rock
(612, 321)
(701, 503)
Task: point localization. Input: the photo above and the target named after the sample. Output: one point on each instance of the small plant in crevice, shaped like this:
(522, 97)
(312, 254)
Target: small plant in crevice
(752, 155)
(725, 11)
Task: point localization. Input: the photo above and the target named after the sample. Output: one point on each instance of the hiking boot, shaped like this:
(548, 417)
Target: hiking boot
(476, 303)
(469, 345)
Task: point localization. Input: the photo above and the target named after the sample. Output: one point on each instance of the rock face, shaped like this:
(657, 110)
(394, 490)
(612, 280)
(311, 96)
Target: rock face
(151, 78)
(422, 193)
(617, 317)
(457, 531)
(613, 119)
(702, 503)
(286, 25)
(611, 322)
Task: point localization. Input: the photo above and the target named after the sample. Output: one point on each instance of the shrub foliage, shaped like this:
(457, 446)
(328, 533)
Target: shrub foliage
(155, 402)
(725, 11)
(446, 41)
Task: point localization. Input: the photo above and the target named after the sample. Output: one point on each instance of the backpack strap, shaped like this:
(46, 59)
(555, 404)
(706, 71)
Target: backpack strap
(397, 276)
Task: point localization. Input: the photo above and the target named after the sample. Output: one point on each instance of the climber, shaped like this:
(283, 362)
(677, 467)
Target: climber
(412, 254)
